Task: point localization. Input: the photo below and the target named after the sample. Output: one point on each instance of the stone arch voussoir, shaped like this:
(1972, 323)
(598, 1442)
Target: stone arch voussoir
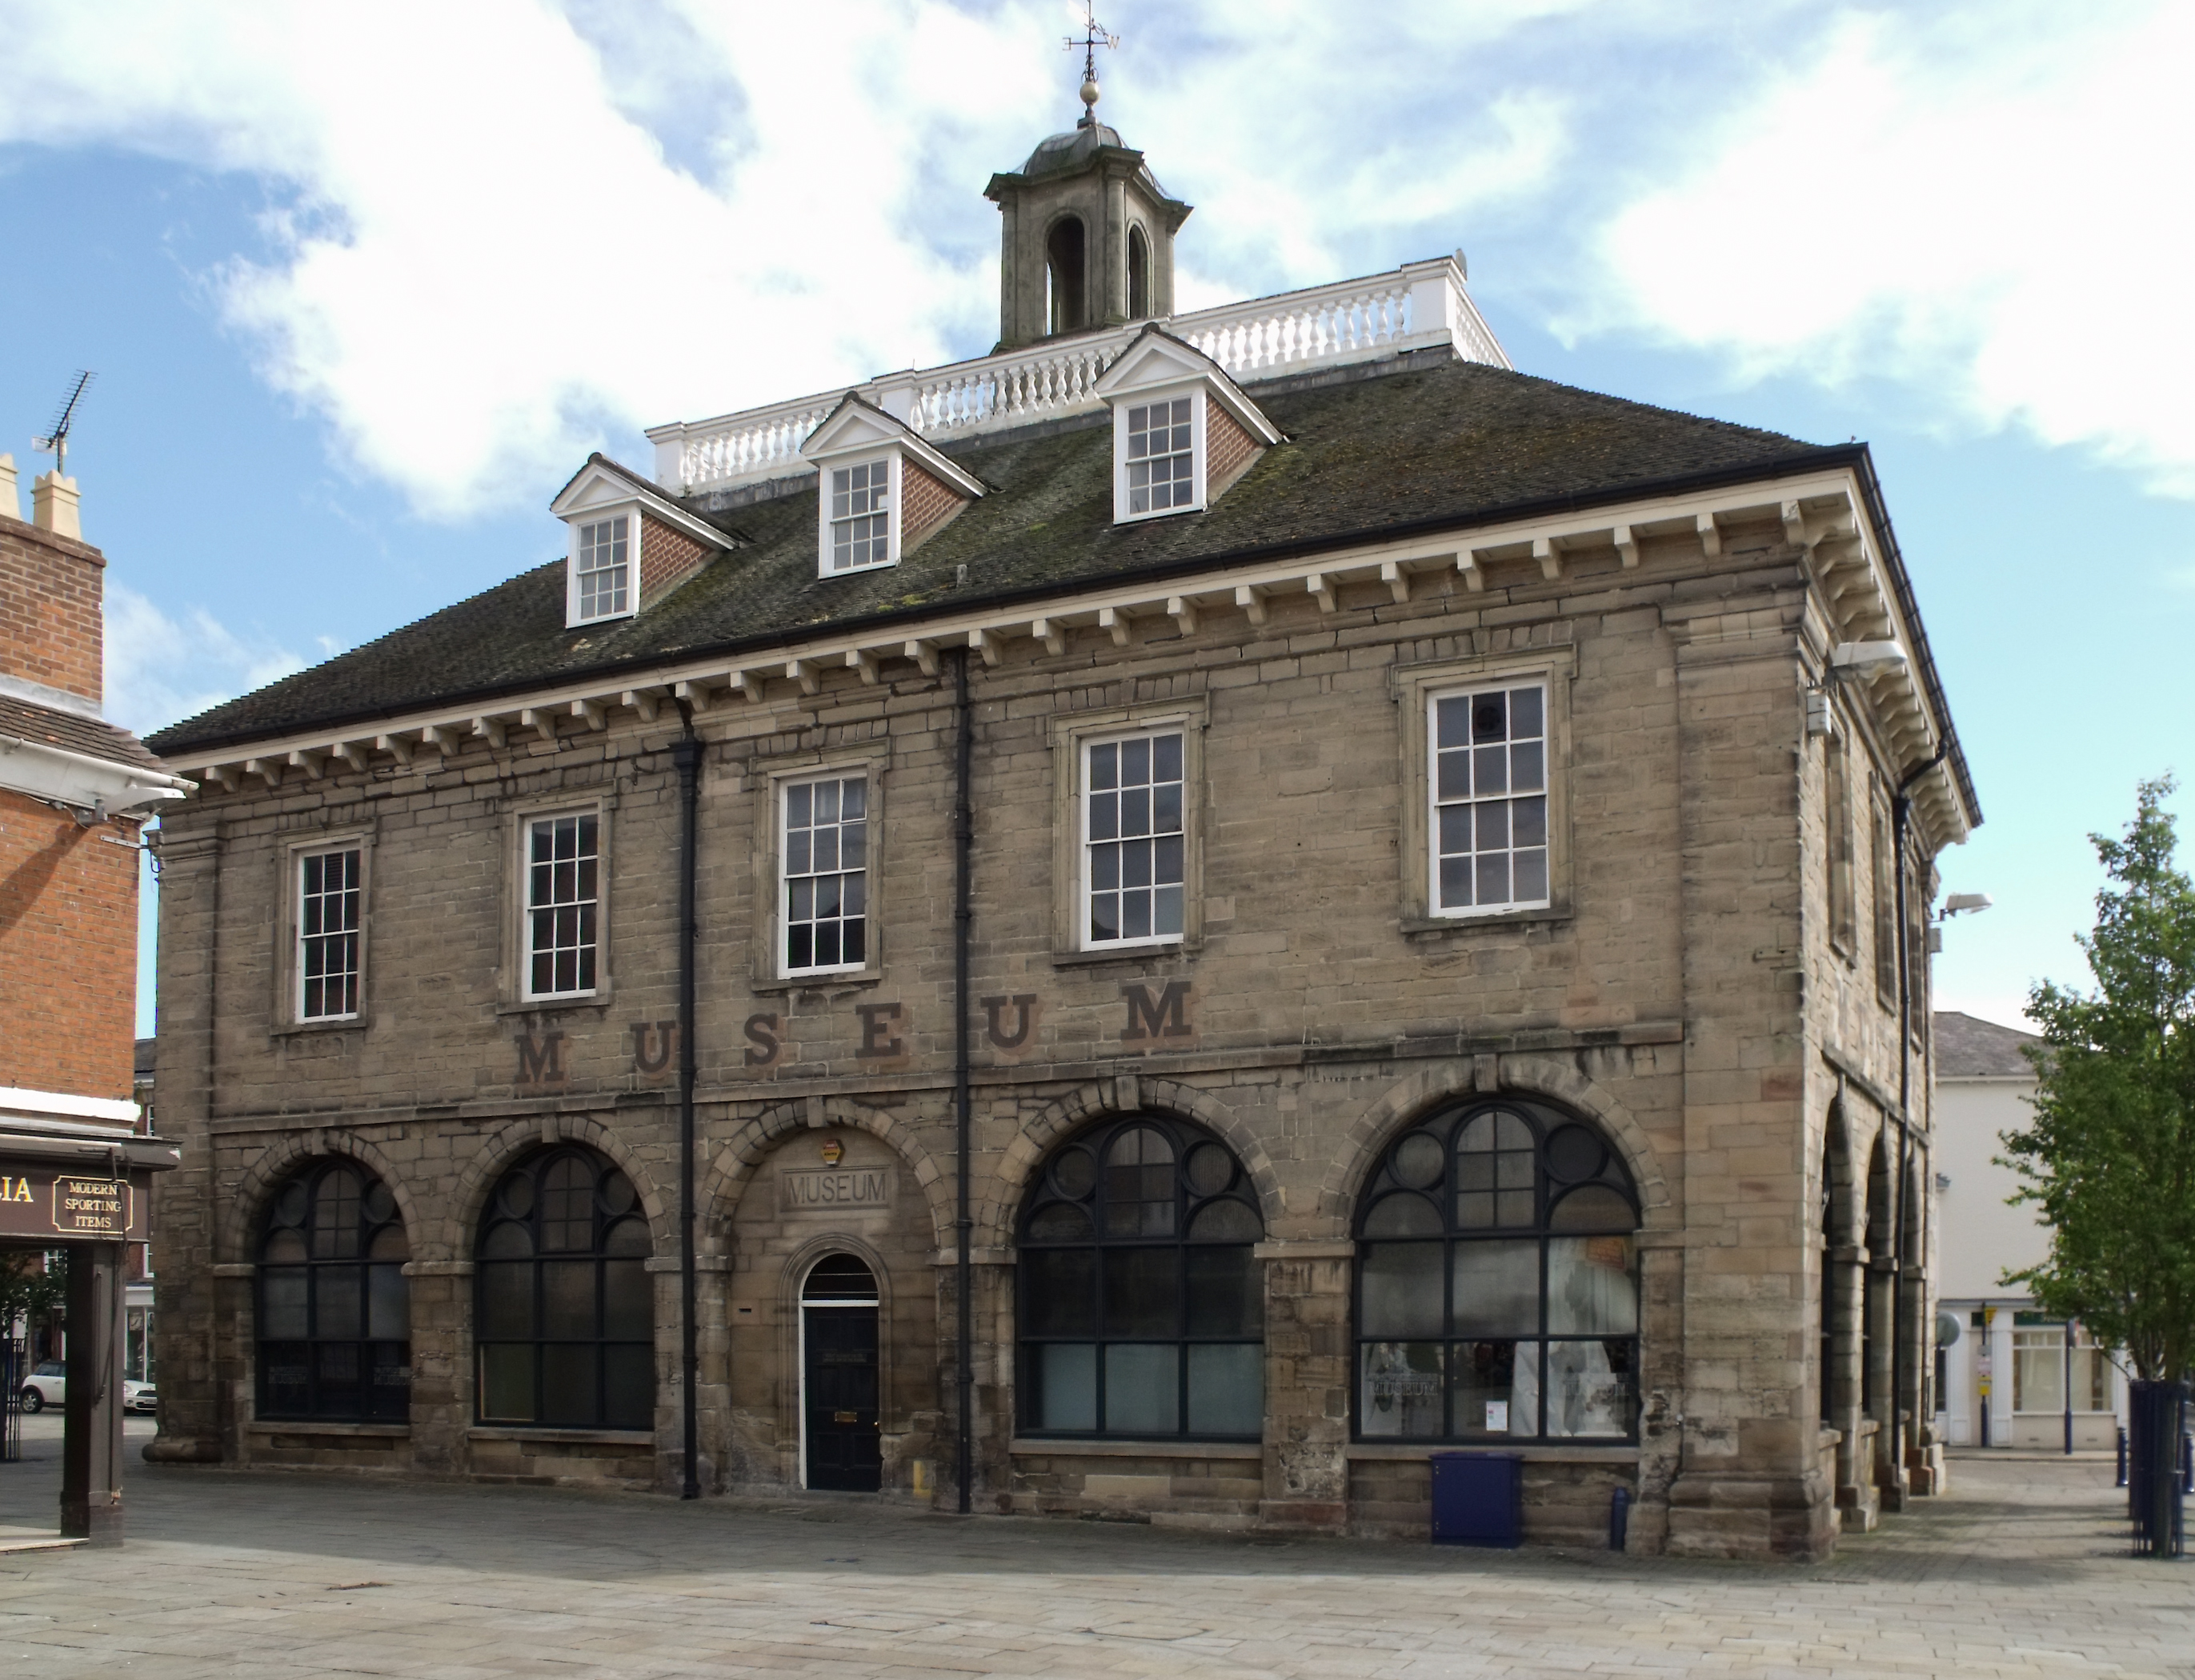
(521, 1138)
(993, 1214)
(1402, 1104)
(726, 1176)
(284, 1158)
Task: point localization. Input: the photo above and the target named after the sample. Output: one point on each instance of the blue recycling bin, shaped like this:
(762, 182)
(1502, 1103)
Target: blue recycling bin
(1478, 1498)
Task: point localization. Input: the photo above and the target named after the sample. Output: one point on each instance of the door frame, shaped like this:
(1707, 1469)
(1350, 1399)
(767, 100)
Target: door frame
(806, 1261)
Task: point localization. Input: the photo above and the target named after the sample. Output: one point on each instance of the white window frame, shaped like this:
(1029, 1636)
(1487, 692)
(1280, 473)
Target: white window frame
(783, 932)
(298, 860)
(528, 824)
(895, 467)
(1505, 686)
(1086, 747)
(1200, 404)
(579, 524)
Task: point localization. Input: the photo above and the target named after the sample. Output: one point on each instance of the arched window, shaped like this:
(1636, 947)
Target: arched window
(1063, 274)
(565, 1323)
(1828, 1234)
(1497, 1282)
(1876, 1283)
(335, 1320)
(1139, 275)
(1142, 1312)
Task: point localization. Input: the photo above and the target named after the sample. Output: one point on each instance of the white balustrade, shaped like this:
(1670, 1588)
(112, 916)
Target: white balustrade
(1420, 305)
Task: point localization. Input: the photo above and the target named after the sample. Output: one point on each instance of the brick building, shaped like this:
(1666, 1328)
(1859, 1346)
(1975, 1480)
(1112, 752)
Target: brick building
(75, 1166)
(1195, 909)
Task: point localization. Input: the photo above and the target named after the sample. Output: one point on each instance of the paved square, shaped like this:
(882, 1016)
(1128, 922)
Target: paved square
(2020, 1571)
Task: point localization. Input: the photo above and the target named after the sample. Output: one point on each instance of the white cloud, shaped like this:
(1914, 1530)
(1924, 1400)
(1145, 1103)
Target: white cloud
(160, 671)
(1988, 207)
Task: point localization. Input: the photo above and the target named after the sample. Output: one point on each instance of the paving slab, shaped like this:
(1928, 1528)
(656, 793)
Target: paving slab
(2021, 1570)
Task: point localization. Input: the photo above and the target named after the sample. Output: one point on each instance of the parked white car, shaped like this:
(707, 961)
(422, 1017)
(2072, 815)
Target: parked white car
(48, 1385)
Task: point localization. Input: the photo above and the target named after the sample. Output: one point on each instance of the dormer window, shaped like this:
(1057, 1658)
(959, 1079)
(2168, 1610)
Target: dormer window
(604, 572)
(881, 491)
(1183, 431)
(862, 510)
(1161, 457)
(630, 544)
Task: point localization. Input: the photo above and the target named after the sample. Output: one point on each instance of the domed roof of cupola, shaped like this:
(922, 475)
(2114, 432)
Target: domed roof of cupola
(1076, 147)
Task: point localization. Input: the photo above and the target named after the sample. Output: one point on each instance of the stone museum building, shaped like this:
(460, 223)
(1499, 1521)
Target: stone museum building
(1162, 924)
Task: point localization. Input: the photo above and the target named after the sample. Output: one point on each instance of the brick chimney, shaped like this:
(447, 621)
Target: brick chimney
(51, 587)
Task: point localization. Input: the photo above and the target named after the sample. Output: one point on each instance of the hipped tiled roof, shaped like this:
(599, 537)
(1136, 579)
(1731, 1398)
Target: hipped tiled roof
(1368, 451)
(72, 731)
(1968, 1048)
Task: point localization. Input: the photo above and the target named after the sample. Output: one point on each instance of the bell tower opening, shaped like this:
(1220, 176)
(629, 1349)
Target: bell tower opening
(1085, 236)
(1063, 258)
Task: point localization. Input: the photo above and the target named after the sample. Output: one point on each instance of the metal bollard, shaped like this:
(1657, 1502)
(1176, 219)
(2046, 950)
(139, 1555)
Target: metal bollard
(1619, 1519)
(2187, 1463)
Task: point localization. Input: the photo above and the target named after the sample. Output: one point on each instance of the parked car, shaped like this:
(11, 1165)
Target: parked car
(48, 1385)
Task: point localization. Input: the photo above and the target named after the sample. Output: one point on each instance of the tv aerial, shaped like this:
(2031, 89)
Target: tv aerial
(56, 442)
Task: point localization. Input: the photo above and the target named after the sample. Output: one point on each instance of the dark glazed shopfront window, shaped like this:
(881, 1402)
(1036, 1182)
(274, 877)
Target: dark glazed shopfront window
(564, 1313)
(1141, 1311)
(1497, 1282)
(334, 1321)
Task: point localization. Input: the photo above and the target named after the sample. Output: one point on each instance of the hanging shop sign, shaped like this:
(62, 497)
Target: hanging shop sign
(48, 1205)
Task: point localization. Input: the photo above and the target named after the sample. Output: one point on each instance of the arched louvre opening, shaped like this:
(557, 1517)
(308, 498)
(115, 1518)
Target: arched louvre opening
(1498, 1282)
(564, 1326)
(1141, 1309)
(1139, 275)
(334, 1318)
(1064, 251)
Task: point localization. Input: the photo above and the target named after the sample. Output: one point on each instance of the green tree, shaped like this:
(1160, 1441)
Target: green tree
(2110, 1158)
(27, 1286)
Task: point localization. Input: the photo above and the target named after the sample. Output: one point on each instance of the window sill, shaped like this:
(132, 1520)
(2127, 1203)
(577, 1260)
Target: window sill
(1539, 1452)
(1500, 918)
(1035, 1447)
(600, 998)
(1172, 951)
(322, 1426)
(788, 984)
(566, 1437)
(298, 1029)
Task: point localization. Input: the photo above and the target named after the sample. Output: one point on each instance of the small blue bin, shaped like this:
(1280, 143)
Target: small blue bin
(1478, 1498)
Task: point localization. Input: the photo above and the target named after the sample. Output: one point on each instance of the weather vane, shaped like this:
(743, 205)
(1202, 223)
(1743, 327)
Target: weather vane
(56, 442)
(1093, 36)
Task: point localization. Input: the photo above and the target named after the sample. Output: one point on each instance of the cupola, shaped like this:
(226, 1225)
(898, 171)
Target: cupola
(1085, 236)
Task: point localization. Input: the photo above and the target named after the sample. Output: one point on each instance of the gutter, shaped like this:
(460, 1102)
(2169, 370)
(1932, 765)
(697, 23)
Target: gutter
(81, 781)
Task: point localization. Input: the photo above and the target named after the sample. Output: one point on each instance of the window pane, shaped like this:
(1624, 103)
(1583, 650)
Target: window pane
(2038, 1371)
(1399, 1389)
(628, 1301)
(568, 1385)
(628, 1387)
(389, 1303)
(282, 1305)
(338, 1308)
(1059, 1292)
(1497, 1388)
(284, 1378)
(1401, 1290)
(1589, 1388)
(507, 1384)
(1143, 1291)
(1143, 1391)
(1227, 1390)
(568, 1298)
(1497, 1288)
(1590, 1287)
(1066, 1379)
(1225, 1292)
(506, 1300)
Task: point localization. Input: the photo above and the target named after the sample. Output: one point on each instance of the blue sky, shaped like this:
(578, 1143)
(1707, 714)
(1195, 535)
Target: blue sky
(358, 309)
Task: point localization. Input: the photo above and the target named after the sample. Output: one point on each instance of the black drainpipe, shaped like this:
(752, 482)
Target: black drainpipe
(964, 835)
(1901, 805)
(686, 757)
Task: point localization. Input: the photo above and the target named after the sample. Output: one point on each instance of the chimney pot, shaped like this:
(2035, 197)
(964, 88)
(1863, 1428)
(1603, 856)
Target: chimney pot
(10, 506)
(53, 505)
